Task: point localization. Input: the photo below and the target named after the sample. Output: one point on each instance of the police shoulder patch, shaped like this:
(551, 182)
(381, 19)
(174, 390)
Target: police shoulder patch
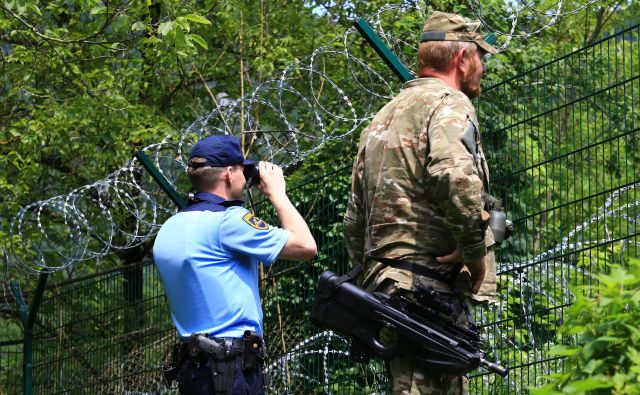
(255, 222)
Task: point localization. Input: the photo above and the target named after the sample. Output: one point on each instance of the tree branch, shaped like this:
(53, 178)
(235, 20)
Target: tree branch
(602, 17)
(86, 40)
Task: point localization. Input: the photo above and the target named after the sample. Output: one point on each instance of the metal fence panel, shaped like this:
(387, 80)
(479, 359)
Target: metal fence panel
(105, 335)
(563, 149)
(10, 368)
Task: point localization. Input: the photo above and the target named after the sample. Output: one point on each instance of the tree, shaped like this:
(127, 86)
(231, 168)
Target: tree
(88, 83)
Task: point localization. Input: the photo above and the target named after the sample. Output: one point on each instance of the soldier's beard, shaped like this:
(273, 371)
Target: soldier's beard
(470, 84)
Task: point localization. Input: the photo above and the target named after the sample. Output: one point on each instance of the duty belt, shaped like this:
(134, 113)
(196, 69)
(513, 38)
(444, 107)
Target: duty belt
(220, 353)
(225, 347)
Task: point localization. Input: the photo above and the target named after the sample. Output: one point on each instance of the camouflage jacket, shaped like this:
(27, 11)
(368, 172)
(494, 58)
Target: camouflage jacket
(417, 185)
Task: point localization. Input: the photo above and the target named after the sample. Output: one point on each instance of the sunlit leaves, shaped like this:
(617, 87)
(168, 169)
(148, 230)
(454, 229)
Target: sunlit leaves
(607, 341)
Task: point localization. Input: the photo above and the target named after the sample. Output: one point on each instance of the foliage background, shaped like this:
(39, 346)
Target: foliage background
(85, 84)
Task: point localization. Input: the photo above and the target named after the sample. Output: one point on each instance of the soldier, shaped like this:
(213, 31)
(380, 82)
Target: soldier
(417, 189)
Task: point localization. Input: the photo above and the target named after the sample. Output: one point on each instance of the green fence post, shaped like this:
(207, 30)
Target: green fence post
(174, 195)
(385, 53)
(29, 319)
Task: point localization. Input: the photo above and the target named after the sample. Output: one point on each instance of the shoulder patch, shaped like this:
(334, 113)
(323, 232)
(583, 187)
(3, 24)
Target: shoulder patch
(255, 222)
(469, 140)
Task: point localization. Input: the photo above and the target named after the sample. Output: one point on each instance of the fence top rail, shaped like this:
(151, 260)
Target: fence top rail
(72, 281)
(13, 342)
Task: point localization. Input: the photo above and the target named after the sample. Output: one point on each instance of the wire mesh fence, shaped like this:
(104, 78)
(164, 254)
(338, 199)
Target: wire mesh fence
(10, 368)
(563, 147)
(103, 335)
(562, 142)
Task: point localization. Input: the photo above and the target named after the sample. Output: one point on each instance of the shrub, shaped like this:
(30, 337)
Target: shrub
(603, 321)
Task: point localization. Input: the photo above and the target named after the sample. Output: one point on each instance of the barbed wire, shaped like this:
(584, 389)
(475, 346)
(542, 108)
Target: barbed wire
(517, 11)
(290, 370)
(284, 119)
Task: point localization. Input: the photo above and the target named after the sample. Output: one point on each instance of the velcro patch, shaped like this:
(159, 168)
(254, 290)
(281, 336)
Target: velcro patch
(255, 222)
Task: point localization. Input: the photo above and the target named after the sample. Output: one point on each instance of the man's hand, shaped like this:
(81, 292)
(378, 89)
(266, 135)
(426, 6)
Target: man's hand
(300, 245)
(477, 268)
(272, 182)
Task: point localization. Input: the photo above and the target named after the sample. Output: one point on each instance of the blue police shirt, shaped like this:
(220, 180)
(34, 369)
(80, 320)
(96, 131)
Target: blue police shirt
(208, 263)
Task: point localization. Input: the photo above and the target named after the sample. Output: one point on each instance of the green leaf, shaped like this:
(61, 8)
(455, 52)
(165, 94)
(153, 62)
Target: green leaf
(560, 350)
(138, 26)
(181, 42)
(634, 330)
(21, 8)
(587, 384)
(198, 40)
(165, 28)
(592, 366)
(198, 19)
(609, 339)
(99, 9)
(34, 8)
(619, 380)
(183, 23)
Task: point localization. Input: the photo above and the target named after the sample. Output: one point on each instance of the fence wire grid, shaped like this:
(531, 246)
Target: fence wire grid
(562, 142)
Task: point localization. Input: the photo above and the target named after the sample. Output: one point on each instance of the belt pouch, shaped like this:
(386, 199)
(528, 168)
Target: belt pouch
(170, 370)
(251, 351)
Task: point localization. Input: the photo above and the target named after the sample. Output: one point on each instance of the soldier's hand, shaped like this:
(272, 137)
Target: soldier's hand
(272, 182)
(477, 268)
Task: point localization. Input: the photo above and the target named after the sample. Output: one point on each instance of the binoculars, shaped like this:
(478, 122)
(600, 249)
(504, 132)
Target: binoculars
(252, 175)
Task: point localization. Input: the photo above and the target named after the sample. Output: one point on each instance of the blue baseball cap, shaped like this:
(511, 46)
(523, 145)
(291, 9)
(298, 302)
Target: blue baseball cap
(219, 151)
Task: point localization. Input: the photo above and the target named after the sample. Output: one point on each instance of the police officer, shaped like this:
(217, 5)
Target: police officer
(208, 255)
(417, 188)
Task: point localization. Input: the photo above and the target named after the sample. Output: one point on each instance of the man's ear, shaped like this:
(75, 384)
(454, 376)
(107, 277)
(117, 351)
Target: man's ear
(462, 59)
(227, 175)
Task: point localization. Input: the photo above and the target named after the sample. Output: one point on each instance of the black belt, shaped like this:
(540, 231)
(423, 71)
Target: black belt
(430, 273)
(420, 269)
(200, 345)
(232, 344)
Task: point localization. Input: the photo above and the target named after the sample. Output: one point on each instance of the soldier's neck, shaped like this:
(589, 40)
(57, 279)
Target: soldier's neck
(450, 78)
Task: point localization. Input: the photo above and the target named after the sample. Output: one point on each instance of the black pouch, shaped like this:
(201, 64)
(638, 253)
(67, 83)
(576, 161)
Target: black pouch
(252, 351)
(171, 369)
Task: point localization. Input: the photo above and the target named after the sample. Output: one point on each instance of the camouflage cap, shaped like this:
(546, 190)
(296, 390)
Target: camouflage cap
(441, 26)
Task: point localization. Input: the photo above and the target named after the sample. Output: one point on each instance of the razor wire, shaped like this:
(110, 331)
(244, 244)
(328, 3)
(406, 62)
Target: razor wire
(289, 370)
(529, 11)
(284, 119)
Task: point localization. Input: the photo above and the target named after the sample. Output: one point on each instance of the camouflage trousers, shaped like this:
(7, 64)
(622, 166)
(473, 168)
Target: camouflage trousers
(408, 378)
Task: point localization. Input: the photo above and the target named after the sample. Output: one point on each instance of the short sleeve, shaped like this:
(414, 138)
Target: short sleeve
(242, 232)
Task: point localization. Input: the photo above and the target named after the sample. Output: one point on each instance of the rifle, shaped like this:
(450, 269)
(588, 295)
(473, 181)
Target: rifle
(422, 333)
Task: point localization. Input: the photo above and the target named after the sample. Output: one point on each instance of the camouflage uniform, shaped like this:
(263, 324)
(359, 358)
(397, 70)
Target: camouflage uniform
(416, 195)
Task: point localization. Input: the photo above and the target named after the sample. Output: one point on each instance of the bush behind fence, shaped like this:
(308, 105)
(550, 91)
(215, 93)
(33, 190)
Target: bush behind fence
(562, 142)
